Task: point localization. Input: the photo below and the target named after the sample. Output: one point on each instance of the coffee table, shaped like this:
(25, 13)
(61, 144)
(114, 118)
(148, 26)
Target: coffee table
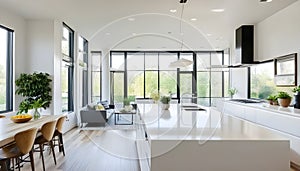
(117, 117)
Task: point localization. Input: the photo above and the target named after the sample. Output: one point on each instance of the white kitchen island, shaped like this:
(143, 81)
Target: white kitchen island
(177, 139)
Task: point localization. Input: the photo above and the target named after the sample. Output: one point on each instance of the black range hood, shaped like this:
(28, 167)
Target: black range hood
(244, 46)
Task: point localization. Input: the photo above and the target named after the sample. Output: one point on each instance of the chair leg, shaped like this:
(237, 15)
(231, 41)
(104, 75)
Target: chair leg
(3, 165)
(60, 138)
(18, 161)
(31, 160)
(41, 152)
(53, 153)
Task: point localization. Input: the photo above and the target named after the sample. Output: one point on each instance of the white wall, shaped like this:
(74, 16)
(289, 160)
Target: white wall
(18, 24)
(279, 34)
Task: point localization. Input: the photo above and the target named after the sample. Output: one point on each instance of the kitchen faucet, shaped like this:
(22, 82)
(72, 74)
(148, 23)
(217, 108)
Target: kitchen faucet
(192, 96)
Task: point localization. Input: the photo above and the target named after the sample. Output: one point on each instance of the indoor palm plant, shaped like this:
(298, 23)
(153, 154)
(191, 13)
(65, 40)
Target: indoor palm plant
(36, 90)
(165, 100)
(284, 99)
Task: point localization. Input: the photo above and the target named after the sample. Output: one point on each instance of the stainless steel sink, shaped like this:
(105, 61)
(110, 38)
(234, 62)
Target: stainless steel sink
(191, 108)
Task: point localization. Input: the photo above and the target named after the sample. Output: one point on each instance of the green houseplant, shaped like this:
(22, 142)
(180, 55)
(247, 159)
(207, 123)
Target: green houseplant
(284, 99)
(273, 99)
(165, 100)
(232, 91)
(36, 90)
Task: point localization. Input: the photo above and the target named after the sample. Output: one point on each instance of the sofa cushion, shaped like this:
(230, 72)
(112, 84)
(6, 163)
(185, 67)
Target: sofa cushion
(105, 104)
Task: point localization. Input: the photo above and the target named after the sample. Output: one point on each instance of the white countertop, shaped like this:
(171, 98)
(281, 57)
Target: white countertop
(274, 108)
(178, 124)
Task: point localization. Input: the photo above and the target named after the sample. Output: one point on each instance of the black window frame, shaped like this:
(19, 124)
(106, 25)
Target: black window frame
(193, 73)
(100, 53)
(85, 72)
(9, 70)
(69, 60)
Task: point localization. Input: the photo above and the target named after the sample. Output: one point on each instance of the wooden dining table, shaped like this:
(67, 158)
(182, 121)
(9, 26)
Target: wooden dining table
(8, 128)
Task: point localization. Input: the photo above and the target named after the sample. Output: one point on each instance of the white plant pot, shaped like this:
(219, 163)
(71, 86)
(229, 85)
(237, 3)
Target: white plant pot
(165, 106)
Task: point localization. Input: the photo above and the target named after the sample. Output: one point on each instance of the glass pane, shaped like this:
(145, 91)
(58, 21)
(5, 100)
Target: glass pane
(285, 67)
(203, 101)
(165, 59)
(136, 83)
(262, 80)
(216, 58)
(96, 61)
(118, 87)
(96, 86)
(3, 60)
(151, 61)
(65, 42)
(186, 84)
(117, 61)
(216, 84)
(203, 84)
(203, 61)
(188, 56)
(226, 84)
(226, 56)
(168, 83)
(96, 76)
(64, 88)
(135, 61)
(151, 81)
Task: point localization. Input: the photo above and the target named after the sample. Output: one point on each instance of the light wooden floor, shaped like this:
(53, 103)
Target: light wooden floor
(93, 151)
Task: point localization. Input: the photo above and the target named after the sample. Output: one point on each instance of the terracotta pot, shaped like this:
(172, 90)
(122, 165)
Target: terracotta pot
(284, 102)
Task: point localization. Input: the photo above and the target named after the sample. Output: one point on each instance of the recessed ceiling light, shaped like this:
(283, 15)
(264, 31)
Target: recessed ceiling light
(218, 10)
(193, 19)
(265, 1)
(181, 34)
(139, 47)
(173, 10)
(107, 34)
(134, 34)
(169, 32)
(131, 19)
(208, 34)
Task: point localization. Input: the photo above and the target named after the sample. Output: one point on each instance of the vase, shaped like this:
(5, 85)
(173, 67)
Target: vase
(297, 101)
(165, 106)
(36, 114)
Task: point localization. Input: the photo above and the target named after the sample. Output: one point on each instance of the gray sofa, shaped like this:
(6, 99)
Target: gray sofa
(93, 118)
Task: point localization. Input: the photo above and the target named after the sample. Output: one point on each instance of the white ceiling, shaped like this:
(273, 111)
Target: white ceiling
(105, 23)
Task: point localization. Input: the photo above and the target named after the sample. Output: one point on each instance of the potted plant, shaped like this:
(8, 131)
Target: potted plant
(127, 106)
(165, 100)
(232, 91)
(284, 99)
(36, 90)
(296, 90)
(273, 99)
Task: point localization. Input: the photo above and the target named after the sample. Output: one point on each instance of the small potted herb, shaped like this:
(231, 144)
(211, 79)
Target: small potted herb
(273, 99)
(165, 100)
(296, 90)
(284, 99)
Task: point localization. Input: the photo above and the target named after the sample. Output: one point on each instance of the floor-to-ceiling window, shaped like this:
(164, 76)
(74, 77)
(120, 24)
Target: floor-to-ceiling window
(141, 73)
(83, 62)
(6, 56)
(67, 68)
(96, 71)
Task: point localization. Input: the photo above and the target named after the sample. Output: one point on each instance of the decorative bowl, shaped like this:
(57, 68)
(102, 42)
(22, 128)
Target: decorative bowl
(21, 118)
